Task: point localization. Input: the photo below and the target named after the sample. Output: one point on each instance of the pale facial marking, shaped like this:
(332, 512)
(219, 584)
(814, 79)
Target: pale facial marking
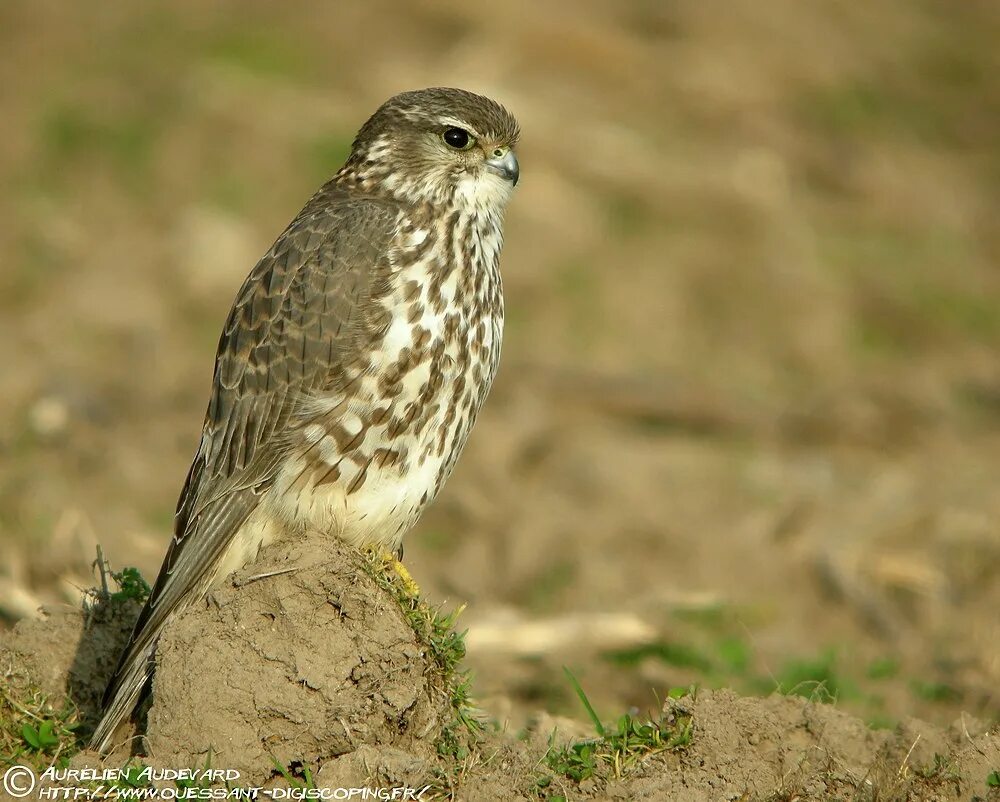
(486, 192)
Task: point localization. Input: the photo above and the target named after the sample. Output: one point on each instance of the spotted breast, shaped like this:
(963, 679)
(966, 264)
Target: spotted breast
(375, 450)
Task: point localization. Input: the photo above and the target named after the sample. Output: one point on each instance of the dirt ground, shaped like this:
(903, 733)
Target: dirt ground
(306, 662)
(745, 429)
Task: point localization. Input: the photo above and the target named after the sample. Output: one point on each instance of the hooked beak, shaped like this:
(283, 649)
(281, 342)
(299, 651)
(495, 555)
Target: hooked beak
(505, 166)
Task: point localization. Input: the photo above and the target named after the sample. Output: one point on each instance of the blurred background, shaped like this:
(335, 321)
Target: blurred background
(745, 431)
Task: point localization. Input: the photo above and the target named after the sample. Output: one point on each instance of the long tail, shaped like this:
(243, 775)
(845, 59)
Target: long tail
(188, 569)
(123, 692)
(135, 666)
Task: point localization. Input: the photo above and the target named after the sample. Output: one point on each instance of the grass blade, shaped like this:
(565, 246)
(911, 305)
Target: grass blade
(586, 703)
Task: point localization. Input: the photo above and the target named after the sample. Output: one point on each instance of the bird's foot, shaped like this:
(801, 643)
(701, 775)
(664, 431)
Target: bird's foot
(409, 584)
(390, 560)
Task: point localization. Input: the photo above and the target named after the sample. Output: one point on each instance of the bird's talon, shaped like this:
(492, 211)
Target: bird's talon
(409, 585)
(390, 560)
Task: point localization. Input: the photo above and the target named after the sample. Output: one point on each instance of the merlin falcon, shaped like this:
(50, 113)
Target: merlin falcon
(353, 363)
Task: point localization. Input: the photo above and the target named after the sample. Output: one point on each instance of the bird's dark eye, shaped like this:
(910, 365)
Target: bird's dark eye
(458, 138)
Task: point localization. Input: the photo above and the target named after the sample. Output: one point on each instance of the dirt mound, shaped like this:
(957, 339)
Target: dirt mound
(302, 657)
(309, 654)
(788, 748)
(67, 654)
(312, 660)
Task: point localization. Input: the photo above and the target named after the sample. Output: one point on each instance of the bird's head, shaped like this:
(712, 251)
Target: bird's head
(440, 146)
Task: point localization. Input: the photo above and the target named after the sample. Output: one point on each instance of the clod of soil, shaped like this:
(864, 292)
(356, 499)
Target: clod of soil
(301, 657)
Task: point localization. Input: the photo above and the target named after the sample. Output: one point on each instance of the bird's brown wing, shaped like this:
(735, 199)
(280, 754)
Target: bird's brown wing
(304, 313)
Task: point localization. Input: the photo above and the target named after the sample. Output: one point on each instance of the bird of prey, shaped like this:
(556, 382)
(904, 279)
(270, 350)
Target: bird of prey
(354, 361)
